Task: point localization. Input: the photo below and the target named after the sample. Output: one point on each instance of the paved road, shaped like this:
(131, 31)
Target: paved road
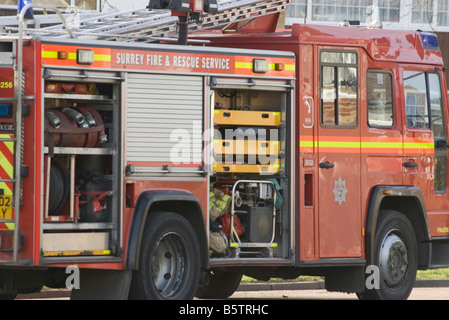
(321, 294)
(424, 290)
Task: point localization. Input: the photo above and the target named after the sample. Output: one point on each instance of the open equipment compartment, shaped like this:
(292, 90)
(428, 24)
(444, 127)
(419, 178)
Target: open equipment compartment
(249, 186)
(81, 164)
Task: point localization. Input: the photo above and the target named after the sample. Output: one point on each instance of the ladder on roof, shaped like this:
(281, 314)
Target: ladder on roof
(149, 25)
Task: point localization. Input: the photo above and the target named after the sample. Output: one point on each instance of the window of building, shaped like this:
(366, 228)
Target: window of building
(333, 10)
(379, 93)
(422, 11)
(81, 4)
(389, 10)
(443, 13)
(407, 14)
(339, 87)
(296, 9)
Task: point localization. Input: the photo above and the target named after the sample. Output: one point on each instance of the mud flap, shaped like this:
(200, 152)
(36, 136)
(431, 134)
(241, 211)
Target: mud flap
(102, 285)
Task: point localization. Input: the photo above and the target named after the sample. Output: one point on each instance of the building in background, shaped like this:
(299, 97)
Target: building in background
(430, 15)
(121, 5)
(426, 15)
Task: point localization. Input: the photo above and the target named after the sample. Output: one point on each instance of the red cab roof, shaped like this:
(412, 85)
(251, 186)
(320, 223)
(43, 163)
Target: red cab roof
(380, 44)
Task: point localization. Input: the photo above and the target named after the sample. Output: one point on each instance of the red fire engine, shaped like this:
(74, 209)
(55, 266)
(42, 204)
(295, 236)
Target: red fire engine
(167, 171)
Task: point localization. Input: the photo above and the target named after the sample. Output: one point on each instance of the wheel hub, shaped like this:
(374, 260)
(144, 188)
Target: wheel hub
(168, 264)
(393, 259)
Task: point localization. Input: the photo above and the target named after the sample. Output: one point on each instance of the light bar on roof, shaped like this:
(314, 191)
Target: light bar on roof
(430, 40)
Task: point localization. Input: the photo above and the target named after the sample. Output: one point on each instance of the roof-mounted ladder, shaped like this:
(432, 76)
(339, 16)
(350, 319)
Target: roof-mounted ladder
(148, 25)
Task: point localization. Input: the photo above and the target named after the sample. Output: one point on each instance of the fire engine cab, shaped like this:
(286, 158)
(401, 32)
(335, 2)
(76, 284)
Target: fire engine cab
(167, 171)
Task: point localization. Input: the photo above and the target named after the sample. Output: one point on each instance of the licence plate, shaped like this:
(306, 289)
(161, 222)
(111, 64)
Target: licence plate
(6, 207)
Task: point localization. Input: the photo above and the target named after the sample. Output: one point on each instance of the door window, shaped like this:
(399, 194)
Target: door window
(339, 87)
(416, 104)
(379, 99)
(439, 131)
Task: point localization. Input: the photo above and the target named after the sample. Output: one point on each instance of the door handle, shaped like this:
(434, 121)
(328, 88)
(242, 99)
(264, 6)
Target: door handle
(326, 165)
(410, 164)
(441, 144)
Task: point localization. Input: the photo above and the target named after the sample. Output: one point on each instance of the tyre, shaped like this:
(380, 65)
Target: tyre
(169, 264)
(395, 255)
(221, 285)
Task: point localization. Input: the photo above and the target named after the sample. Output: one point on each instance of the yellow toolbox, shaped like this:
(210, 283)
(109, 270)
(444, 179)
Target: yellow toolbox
(253, 147)
(247, 118)
(272, 167)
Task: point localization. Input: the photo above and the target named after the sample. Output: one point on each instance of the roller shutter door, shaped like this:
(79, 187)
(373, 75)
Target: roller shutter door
(164, 118)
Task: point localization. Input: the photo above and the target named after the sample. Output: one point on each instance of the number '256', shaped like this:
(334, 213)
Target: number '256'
(5, 84)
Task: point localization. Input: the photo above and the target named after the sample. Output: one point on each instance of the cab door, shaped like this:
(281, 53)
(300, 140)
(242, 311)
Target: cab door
(418, 136)
(438, 125)
(339, 211)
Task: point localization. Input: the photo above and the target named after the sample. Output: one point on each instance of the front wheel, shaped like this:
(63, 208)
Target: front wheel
(169, 264)
(395, 255)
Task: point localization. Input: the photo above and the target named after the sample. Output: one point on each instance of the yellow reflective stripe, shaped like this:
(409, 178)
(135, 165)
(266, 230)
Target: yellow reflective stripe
(342, 144)
(387, 145)
(50, 54)
(418, 145)
(77, 253)
(219, 204)
(235, 245)
(103, 57)
(7, 166)
(243, 65)
(10, 146)
(7, 226)
(54, 55)
(72, 56)
(271, 66)
(366, 145)
(307, 144)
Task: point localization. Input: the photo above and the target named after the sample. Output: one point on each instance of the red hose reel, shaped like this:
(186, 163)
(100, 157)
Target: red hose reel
(74, 127)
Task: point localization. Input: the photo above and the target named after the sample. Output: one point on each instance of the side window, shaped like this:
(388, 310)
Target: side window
(436, 101)
(416, 106)
(379, 92)
(339, 87)
(439, 131)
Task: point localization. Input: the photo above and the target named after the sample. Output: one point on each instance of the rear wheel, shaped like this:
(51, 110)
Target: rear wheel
(395, 255)
(169, 264)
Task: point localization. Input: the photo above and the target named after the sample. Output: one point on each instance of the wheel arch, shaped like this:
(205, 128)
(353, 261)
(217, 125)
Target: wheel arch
(407, 200)
(178, 201)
